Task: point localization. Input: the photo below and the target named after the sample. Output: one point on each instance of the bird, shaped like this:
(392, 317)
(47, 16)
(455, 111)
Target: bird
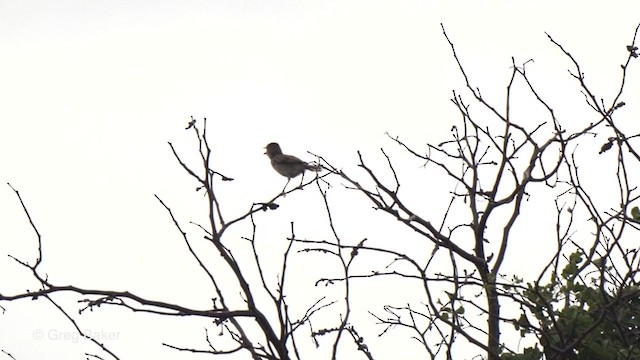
(288, 166)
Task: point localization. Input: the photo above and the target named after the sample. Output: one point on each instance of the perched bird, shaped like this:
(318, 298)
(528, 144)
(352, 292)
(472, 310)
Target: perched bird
(288, 165)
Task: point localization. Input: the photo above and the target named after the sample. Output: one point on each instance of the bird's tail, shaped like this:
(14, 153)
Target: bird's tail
(314, 167)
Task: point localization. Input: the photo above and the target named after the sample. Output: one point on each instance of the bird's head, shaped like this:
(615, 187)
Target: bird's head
(273, 149)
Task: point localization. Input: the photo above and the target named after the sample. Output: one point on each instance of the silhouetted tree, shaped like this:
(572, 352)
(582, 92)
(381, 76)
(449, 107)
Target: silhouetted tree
(584, 304)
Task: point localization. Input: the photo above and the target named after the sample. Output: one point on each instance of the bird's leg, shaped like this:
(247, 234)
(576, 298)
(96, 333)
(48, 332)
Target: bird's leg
(285, 185)
(301, 180)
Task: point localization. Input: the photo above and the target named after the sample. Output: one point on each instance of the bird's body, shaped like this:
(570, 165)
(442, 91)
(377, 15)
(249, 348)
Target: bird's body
(288, 166)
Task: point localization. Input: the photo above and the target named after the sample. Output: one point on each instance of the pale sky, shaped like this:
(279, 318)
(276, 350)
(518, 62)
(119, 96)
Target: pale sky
(93, 90)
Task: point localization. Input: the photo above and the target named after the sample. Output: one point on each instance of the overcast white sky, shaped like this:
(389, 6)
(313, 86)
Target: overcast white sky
(91, 91)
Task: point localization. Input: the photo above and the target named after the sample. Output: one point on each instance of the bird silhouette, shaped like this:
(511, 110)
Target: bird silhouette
(288, 166)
